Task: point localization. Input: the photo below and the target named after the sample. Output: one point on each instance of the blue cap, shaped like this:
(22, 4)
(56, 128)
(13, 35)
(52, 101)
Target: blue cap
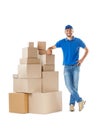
(68, 27)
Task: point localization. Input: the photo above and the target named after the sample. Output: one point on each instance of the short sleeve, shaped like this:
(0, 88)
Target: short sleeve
(58, 44)
(81, 43)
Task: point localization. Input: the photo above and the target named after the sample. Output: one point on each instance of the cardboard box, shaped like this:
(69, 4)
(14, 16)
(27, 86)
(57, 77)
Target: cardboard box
(47, 59)
(50, 81)
(31, 44)
(18, 103)
(48, 67)
(29, 61)
(29, 71)
(26, 85)
(42, 52)
(44, 103)
(29, 52)
(41, 45)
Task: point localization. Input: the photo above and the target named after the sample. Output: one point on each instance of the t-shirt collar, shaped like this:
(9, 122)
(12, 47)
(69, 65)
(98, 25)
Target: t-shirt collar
(69, 40)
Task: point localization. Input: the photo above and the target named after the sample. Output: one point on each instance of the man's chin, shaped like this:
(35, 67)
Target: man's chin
(68, 36)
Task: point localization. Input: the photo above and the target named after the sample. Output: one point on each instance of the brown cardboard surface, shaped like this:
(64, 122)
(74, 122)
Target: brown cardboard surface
(26, 85)
(41, 45)
(47, 59)
(48, 67)
(42, 52)
(29, 61)
(50, 81)
(18, 103)
(29, 71)
(43, 103)
(29, 52)
(31, 44)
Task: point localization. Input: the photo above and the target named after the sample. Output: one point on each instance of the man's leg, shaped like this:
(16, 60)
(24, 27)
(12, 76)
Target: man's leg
(68, 76)
(69, 83)
(75, 84)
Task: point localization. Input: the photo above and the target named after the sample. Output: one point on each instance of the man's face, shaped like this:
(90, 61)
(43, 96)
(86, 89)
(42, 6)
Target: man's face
(69, 32)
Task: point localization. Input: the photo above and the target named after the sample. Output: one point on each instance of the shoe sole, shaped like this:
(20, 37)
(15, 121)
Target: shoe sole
(71, 110)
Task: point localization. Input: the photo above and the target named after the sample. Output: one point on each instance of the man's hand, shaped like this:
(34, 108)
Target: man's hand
(84, 56)
(79, 62)
(49, 51)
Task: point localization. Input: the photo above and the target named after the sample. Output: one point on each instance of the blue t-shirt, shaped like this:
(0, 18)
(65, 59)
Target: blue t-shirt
(70, 50)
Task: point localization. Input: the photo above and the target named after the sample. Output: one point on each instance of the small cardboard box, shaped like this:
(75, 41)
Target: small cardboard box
(41, 45)
(18, 103)
(44, 103)
(29, 71)
(29, 61)
(47, 59)
(26, 85)
(31, 44)
(48, 67)
(42, 52)
(50, 81)
(29, 52)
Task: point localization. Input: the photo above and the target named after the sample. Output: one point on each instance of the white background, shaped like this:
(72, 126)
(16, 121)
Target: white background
(22, 21)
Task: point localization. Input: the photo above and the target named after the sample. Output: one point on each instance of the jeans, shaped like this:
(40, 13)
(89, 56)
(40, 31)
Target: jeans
(71, 77)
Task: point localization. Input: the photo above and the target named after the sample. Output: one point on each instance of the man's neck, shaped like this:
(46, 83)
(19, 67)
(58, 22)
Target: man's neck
(70, 38)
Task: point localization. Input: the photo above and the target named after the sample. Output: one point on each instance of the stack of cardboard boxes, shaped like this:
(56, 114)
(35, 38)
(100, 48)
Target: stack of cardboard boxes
(35, 87)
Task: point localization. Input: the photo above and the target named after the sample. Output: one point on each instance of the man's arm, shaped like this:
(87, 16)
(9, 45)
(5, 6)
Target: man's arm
(49, 50)
(84, 56)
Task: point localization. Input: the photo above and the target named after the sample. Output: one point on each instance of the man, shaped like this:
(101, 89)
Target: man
(70, 47)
